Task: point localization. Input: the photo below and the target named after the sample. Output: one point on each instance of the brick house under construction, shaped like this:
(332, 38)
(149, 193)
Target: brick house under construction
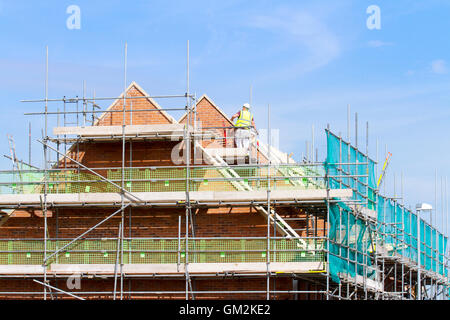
(138, 205)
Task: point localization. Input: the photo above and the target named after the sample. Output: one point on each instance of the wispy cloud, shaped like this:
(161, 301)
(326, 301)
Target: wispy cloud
(302, 30)
(378, 43)
(439, 66)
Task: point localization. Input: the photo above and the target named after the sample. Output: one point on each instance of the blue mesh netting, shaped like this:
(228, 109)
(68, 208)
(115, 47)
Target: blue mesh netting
(397, 224)
(349, 168)
(15, 182)
(349, 243)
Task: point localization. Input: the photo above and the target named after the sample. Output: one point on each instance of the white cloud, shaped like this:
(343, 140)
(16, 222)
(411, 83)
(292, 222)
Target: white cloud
(306, 31)
(439, 66)
(378, 43)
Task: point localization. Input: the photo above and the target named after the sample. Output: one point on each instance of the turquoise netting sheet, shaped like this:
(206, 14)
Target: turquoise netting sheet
(349, 243)
(397, 224)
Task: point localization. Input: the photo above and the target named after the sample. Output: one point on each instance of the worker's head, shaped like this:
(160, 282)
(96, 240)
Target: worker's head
(246, 106)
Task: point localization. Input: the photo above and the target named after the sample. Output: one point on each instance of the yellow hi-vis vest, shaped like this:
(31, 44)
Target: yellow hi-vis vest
(245, 119)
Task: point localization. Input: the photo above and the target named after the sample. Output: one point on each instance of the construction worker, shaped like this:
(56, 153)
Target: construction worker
(245, 121)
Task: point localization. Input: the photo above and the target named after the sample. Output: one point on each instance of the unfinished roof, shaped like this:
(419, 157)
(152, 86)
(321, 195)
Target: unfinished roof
(111, 133)
(139, 117)
(209, 114)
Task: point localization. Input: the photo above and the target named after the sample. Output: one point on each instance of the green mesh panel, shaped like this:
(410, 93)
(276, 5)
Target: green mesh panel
(157, 179)
(148, 251)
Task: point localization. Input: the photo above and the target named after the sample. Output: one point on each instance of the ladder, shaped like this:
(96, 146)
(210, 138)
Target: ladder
(276, 157)
(298, 173)
(383, 172)
(228, 172)
(15, 161)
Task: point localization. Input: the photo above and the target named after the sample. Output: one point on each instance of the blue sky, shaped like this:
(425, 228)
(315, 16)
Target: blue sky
(307, 59)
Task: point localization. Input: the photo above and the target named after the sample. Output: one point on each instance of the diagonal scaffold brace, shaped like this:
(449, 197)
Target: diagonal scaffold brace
(57, 289)
(126, 193)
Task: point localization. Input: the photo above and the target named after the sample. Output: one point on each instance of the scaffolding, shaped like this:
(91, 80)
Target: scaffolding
(346, 241)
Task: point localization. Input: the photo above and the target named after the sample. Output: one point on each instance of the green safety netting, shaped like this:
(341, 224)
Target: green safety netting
(397, 225)
(169, 250)
(349, 168)
(398, 236)
(349, 244)
(162, 179)
(17, 181)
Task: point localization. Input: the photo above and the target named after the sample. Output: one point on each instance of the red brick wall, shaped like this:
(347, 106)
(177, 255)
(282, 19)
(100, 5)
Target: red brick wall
(306, 224)
(136, 117)
(109, 154)
(161, 285)
(145, 222)
(210, 117)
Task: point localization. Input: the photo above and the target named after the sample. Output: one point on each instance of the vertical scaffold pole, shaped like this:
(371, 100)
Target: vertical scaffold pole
(179, 243)
(84, 103)
(340, 209)
(65, 136)
(187, 139)
(357, 182)
(123, 169)
(312, 143)
(446, 255)
(327, 184)
(411, 248)
(45, 175)
(348, 123)
(377, 224)
(419, 263)
(443, 201)
(117, 260)
(93, 108)
(268, 206)
(130, 209)
(367, 200)
(435, 199)
(29, 143)
(350, 185)
(356, 130)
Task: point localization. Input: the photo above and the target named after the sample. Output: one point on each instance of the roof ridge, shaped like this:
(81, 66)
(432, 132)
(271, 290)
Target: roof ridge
(138, 87)
(205, 96)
